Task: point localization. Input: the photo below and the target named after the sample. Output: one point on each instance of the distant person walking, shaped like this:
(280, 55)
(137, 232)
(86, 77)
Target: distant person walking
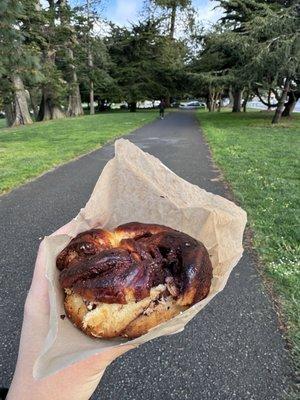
(162, 106)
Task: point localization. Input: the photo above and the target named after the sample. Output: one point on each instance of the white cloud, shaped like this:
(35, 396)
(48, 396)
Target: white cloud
(44, 3)
(126, 11)
(208, 14)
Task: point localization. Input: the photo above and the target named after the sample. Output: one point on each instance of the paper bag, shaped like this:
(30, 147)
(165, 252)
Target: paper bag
(135, 186)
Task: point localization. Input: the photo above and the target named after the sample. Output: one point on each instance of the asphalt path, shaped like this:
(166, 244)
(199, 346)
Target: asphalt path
(233, 349)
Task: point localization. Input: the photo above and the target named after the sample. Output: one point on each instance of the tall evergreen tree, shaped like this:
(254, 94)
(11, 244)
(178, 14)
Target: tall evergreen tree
(68, 37)
(278, 54)
(88, 10)
(273, 30)
(148, 65)
(53, 86)
(172, 7)
(17, 58)
(69, 41)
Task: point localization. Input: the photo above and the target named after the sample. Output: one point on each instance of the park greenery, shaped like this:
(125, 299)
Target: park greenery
(267, 189)
(54, 57)
(31, 150)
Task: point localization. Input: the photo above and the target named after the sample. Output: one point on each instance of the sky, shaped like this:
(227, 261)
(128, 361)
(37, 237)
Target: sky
(122, 12)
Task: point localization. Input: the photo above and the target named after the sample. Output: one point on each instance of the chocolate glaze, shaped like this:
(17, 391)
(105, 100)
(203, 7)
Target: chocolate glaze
(83, 245)
(147, 256)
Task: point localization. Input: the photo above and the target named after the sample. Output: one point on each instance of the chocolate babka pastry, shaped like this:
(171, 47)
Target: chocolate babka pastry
(125, 282)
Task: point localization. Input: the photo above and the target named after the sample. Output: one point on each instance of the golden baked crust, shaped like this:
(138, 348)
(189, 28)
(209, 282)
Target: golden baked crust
(125, 282)
(128, 320)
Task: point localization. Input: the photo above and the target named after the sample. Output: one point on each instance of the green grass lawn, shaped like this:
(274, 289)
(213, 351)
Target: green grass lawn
(28, 151)
(2, 123)
(261, 162)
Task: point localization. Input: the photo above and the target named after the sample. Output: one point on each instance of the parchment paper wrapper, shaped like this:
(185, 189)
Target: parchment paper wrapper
(135, 186)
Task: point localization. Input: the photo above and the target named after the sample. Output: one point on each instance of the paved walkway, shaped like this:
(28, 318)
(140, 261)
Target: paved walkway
(231, 350)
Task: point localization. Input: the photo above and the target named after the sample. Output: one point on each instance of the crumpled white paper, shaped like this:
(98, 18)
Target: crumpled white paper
(135, 186)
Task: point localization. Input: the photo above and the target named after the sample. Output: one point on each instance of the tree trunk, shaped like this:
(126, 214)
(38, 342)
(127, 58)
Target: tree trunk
(90, 62)
(92, 105)
(291, 103)
(18, 112)
(281, 101)
(92, 99)
(9, 113)
(49, 109)
(220, 102)
(173, 19)
(237, 100)
(74, 106)
(245, 101)
(34, 105)
(213, 104)
(212, 100)
(230, 104)
(216, 103)
(45, 107)
(208, 105)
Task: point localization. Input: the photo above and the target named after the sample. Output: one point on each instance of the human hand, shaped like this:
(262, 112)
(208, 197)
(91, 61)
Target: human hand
(76, 382)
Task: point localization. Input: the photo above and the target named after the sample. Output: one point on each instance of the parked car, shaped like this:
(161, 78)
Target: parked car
(190, 105)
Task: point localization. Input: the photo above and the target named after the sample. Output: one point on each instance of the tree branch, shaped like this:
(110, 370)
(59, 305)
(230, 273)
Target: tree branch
(268, 104)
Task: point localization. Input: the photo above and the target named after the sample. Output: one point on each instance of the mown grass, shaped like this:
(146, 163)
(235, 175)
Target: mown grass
(261, 162)
(28, 151)
(2, 123)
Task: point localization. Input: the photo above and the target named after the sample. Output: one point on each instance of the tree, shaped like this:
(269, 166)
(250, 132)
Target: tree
(104, 86)
(53, 86)
(172, 6)
(70, 41)
(293, 97)
(281, 52)
(146, 63)
(90, 58)
(17, 58)
(272, 32)
(89, 16)
(236, 14)
(219, 62)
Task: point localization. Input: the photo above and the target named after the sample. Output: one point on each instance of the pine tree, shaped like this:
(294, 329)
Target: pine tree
(256, 43)
(16, 59)
(53, 86)
(147, 65)
(69, 41)
(88, 10)
(172, 7)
